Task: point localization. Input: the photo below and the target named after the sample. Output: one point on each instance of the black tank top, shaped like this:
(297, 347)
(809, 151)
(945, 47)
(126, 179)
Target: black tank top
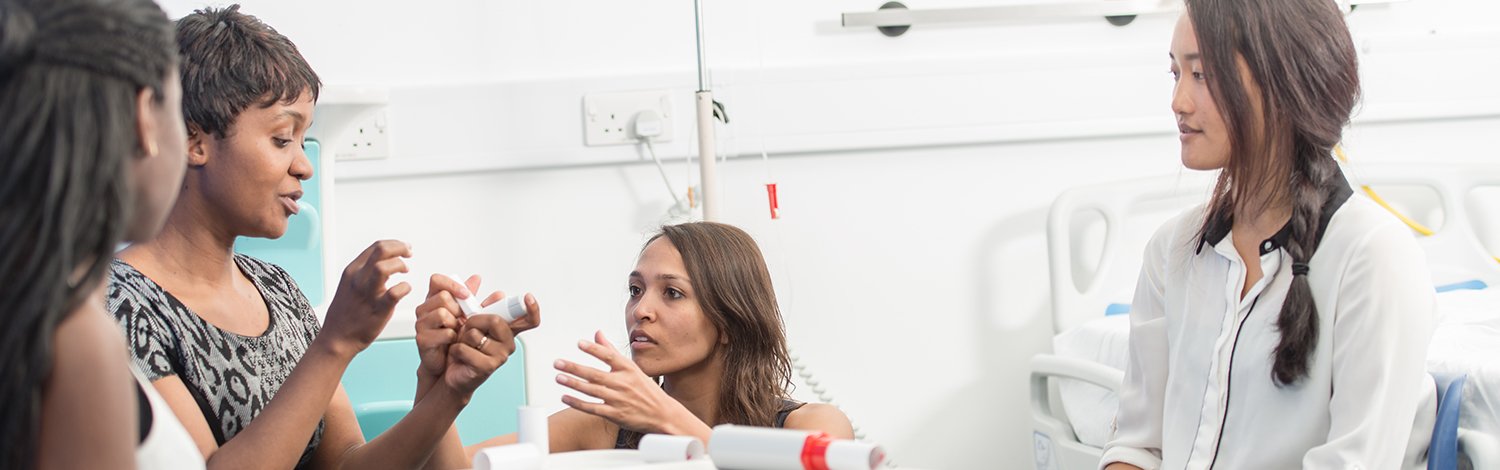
(626, 439)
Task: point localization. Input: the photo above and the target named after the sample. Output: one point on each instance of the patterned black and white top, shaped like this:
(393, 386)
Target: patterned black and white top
(232, 377)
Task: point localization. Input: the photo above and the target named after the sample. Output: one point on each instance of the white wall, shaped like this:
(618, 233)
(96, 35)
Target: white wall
(909, 260)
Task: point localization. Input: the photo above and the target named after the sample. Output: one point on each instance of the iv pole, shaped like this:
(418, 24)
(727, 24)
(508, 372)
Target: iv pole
(707, 161)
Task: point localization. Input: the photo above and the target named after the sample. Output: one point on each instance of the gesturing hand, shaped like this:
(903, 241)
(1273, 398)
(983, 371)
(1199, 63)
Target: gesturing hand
(630, 398)
(362, 304)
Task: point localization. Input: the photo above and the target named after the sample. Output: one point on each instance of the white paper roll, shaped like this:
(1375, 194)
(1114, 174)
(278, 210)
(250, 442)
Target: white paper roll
(532, 421)
(657, 448)
(752, 448)
(854, 455)
(511, 457)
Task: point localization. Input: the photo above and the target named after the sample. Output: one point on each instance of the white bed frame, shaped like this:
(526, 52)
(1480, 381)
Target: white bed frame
(1075, 302)
(1056, 445)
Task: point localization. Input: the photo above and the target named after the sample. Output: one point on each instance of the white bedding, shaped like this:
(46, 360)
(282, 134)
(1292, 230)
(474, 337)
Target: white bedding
(1466, 341)
(1091, 408)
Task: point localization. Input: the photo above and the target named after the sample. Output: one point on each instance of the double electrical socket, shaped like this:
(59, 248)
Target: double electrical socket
(609, 118)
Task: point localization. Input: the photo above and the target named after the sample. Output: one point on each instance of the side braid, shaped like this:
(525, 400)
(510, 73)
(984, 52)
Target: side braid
(1298, 320)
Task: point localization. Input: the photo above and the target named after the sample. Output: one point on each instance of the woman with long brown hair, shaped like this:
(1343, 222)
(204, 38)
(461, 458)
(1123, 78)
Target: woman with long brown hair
(1284, 324)
(707, 348)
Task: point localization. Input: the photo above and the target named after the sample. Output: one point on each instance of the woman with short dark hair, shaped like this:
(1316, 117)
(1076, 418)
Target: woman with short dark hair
(229, 340)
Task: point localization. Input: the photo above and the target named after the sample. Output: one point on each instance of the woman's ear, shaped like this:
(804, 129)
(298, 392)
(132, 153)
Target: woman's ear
(146, 123)
(197, 146)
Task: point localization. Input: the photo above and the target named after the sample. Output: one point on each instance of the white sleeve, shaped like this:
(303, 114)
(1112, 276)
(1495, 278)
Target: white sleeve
(1138, 423)
(1381, 329)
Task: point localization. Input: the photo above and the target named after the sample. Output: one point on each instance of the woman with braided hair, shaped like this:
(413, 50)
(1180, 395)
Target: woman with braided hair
(91, 154)
(1285, 323)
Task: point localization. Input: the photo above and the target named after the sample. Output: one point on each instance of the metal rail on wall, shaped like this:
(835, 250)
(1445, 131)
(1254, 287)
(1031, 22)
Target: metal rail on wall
(894, 18)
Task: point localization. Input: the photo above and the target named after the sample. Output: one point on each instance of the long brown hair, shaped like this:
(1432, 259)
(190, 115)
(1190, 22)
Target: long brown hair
(1301, 56)
(734, 291)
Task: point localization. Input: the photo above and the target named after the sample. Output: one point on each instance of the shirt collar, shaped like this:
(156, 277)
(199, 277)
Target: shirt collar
(1336, 191)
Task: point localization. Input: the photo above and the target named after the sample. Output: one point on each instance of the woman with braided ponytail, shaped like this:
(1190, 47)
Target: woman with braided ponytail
(1285, 323)
(92, 152)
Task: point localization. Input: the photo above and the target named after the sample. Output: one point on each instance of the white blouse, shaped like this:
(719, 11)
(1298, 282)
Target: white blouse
(1198, 391)
(167, 444)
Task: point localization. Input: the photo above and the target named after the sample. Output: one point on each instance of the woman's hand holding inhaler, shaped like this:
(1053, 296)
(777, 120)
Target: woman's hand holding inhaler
(461, 351)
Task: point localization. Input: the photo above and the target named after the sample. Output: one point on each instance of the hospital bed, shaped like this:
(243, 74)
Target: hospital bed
(1096, 236)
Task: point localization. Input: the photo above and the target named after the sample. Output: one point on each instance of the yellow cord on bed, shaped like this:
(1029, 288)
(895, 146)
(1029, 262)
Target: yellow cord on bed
(1417, 226)
(1422, 229)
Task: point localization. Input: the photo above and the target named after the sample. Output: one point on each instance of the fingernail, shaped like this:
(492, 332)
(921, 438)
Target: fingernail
(583, 344)
(558, 364)
(562, 379)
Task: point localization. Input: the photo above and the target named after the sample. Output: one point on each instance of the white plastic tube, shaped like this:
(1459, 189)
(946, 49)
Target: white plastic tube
(658, 448)
(753, 448)
(509, 308)
(512, 457)
(532, 421)
(853, 455)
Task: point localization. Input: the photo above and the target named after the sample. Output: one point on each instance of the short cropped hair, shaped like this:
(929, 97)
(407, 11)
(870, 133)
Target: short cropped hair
(230, 61)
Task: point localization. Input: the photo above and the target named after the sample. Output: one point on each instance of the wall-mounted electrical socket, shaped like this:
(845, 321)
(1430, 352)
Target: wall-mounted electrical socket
(353, 123)
(367, 138)
(609, 118)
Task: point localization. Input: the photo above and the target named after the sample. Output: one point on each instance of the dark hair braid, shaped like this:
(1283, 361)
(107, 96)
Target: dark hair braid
(1298, 320)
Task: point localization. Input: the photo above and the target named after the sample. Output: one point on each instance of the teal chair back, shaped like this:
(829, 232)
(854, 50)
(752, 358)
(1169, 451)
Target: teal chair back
(381, 382)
